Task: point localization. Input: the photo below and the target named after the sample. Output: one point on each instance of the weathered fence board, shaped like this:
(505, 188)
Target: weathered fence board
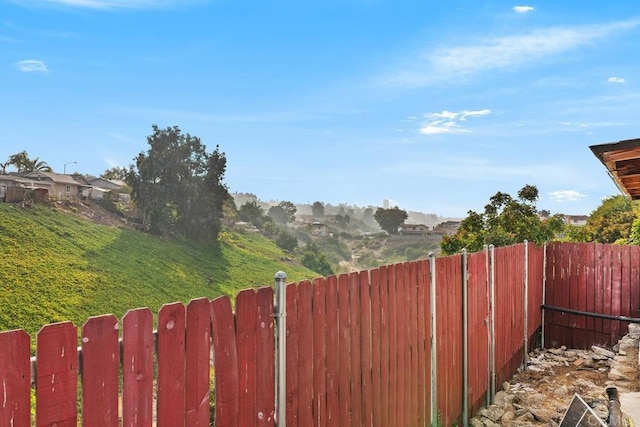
(478, 313)
(246, 322)
(424, 343)
(225, 356)
(364, 288)
(137, 368)
(354, 352)
(292, 389)
(16, 374)
(394, 387)
(198, 350)
(449, 338)
(385, 349)
(344, 346)
(305, 354)
(265, 359)
(56, 394)
(101, 361)
(376, 345)
(320, 376)
(171, 365)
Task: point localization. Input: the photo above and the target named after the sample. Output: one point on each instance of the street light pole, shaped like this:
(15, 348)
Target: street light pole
(64, 168)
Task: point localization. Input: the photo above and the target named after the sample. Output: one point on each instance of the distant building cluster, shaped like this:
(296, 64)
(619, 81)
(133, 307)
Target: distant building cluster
(42, 186)
(446, 227)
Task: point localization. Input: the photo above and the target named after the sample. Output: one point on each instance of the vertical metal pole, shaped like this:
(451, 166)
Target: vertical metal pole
(434, 341)
(281, 348)
(492, 324)
(526, 305)
(487, 322)
(465, 340)
(544, 289)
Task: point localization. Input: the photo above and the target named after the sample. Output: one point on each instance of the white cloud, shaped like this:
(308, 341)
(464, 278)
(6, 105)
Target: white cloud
(615, 80)
(455, 63)
(109, 4)
(566, 196)
(32, 66)
(448, 121)
(522, 9)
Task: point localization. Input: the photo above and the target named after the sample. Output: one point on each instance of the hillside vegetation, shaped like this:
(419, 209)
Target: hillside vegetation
(57, 266)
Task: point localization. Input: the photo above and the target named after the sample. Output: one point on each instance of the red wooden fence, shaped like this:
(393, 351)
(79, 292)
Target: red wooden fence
(359, 346)
(592, 278)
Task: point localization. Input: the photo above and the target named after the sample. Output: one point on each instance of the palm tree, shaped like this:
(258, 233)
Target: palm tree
(37, 165)
(23, 163)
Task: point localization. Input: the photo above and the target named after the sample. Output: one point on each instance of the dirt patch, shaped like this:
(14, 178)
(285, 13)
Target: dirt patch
(92, 211)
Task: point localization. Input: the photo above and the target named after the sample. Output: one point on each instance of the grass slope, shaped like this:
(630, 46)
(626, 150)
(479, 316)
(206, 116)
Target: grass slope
(55, 266)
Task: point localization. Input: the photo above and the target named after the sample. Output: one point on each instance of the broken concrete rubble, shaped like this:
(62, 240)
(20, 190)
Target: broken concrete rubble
(541, 394)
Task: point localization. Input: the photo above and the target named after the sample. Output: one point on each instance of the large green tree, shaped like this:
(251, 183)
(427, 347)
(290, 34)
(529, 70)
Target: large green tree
(253, 213)
(391, 219)
(283, 212)
(178, 185)
(611, 221)
(317, 209)
(505, 221)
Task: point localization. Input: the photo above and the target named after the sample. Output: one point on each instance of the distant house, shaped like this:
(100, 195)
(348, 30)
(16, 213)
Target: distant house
(107, 184)
(415, 229)
(319, 229)
(15, 188)
(59, 186)
(101, 186)
(576, 219)
(447, 227)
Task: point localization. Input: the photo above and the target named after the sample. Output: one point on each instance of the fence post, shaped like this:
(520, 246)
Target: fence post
(526, 305)
(487, 322)
(281, 348)
(492, 324)
(465, 340)
(544, 291)
(434, 341)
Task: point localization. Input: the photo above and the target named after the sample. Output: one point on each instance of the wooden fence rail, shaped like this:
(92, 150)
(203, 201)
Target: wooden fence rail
(359, 346)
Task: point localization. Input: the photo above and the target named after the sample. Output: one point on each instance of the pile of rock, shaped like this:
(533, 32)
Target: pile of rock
(541, 394)
(623, 373)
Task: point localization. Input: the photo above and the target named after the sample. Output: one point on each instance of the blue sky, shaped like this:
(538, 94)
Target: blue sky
(434, 105)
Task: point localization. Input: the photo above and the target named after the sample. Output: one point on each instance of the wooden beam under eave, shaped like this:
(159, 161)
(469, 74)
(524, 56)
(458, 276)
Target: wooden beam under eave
(618, 155)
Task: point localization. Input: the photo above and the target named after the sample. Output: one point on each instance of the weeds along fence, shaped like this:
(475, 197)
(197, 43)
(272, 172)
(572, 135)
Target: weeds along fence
(420, 343)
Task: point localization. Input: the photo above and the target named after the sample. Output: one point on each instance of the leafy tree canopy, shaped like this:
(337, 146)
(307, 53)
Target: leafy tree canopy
(315, 260)
(178, 185)
(115, 173)
(391, 219)
(253, 213)
(283, 212)
(505, 221)
(286, 241)
(613, 221)
(317, 209)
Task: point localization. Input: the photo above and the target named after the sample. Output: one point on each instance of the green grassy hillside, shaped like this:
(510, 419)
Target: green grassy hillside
(56, 266)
